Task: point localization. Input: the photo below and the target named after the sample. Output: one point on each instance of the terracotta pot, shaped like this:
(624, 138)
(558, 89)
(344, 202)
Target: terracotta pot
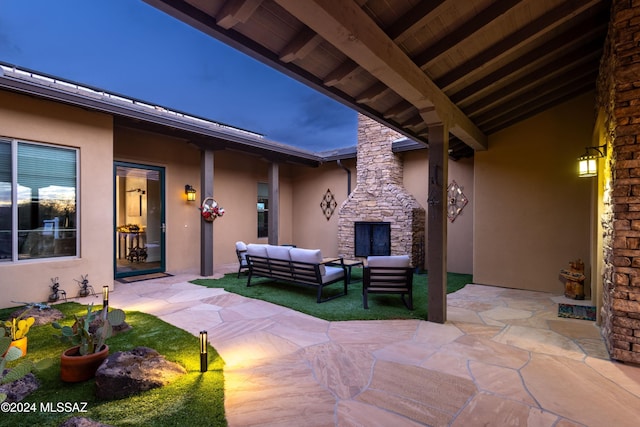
(19, 343)
(75, 367)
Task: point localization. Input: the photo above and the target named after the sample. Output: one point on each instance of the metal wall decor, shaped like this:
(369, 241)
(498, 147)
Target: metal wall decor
(328, 204)
(456, 201)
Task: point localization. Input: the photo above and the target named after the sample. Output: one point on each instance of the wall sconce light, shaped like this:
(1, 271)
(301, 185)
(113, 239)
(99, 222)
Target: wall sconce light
(190, 192)
(204, 363)
(588, 163)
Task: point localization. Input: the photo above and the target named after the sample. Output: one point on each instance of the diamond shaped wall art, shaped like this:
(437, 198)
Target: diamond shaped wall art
(328, 204)
(456, 201)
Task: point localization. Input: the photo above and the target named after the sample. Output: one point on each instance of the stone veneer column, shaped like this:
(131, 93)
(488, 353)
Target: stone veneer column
(619, 101)
(379, 195)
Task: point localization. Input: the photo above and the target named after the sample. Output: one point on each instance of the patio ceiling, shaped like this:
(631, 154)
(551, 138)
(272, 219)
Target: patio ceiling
(479, 66)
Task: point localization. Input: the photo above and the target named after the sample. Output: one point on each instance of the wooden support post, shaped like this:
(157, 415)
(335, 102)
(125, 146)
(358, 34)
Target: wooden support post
(274, 204)
(437, 223)
(206, 228)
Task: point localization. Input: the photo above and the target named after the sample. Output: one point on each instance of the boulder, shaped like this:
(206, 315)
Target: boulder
(19, 389)
(125, 373)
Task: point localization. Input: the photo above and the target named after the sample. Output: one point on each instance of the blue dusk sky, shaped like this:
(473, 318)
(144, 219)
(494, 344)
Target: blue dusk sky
(130, 48)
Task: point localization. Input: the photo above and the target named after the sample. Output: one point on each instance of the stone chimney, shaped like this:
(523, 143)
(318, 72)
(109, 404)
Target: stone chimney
(380, 197)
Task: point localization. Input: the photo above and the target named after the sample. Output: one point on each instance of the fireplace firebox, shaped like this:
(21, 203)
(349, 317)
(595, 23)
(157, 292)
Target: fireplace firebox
(372, 238)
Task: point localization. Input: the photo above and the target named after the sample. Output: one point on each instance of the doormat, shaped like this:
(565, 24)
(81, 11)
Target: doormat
(142, 277)
(583, 312)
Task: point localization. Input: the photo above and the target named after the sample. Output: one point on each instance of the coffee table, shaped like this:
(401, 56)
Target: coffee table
(349, 263)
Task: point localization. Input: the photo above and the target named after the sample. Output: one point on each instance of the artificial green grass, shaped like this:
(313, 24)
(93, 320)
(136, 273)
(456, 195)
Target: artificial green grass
(348, 307)
(196, 398)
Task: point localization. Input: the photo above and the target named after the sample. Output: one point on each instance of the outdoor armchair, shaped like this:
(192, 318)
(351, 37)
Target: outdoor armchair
(388, 275)
(241, 252)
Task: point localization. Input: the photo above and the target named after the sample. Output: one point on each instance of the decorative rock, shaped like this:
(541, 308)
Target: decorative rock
(82, 422)
(42, 316)
(19, 389)
(125, 373)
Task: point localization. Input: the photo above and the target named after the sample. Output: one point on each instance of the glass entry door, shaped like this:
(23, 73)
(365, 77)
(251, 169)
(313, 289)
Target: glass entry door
(139, 219)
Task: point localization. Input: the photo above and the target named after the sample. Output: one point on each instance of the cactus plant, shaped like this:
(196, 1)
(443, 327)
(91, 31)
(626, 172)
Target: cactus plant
(7, 354)
(18, 327)
(90, 331)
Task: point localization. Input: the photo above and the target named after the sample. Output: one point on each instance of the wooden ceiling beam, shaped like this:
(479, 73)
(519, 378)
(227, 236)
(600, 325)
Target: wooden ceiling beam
(372, 93)
(413, 20)
(572, 64)
(564, 42)
(544, 24)
(398, 110)
(464, 31)
(344, 72)
(547, 93)
(414, 122)
(236, 11)
(301, 45)
(347, 27)
(542, 105)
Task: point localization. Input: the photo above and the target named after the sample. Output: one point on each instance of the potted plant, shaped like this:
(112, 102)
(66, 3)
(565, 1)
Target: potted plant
(17, 329)
(88, 336)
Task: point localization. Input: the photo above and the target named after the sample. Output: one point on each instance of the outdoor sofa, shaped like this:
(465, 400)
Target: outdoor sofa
(296, 266)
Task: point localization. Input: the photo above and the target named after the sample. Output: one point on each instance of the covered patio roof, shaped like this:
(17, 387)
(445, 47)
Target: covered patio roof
(478, 66)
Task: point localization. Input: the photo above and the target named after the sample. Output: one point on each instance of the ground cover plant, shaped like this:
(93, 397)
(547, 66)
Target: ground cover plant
(348, 307)
(196, 398)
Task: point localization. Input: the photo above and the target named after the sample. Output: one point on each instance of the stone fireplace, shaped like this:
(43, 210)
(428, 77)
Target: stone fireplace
(380, 198)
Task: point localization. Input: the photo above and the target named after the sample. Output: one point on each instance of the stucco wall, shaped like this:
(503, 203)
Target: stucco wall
(459, 232)
(532, 212)
(29, 119)
(312, 230)
(311, 227)
(235, 179)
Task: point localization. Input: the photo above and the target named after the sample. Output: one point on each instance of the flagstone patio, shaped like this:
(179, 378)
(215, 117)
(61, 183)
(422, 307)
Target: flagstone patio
(503, 358)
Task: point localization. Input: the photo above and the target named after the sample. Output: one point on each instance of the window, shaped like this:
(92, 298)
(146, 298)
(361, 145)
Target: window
(5, 201)
(38, 192)
(263, 210)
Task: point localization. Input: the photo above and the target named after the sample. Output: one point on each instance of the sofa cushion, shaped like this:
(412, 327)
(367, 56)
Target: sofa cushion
(241, 246)
(332, 273)
(257, 249)
(312, 256)
(389, 261)
(399, 261)
(278, 252)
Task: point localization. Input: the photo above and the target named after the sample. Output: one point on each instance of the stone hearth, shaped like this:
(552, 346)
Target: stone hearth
(379, 196)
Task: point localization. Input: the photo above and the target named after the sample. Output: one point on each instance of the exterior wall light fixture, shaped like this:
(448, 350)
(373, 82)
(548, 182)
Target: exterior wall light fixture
(588, 163)
(190, 192)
